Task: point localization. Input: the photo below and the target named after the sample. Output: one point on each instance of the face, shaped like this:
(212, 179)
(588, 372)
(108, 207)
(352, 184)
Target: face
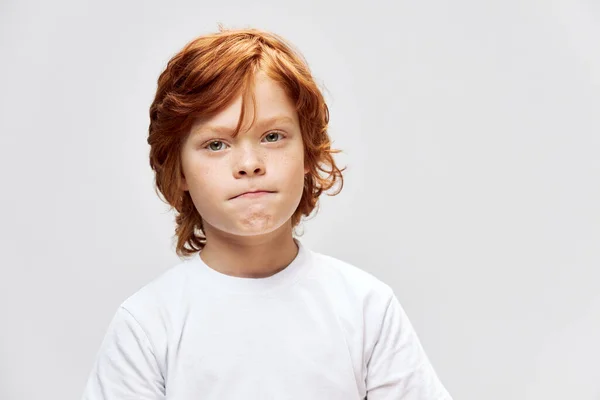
(269, 156)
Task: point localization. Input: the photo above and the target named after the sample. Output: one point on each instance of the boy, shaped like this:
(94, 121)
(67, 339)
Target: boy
(238, 135)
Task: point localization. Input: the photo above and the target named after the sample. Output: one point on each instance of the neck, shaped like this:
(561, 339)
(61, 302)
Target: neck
(249, 256)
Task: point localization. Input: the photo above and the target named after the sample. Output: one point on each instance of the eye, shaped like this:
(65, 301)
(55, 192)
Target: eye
(273, 135)
(212, 148)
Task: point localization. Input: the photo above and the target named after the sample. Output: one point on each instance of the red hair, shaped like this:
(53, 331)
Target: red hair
(201, 80)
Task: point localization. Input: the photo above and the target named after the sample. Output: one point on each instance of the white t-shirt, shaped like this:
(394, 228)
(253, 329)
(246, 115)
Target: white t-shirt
(319, 329)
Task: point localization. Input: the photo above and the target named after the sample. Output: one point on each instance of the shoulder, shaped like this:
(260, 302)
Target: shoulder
(344, 276)
(164, 291)
(360, 299)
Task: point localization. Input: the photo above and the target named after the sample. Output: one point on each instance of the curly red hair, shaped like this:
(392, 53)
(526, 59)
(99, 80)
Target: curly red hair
(204, 78)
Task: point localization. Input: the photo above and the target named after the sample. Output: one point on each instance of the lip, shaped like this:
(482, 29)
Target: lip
(252, 195)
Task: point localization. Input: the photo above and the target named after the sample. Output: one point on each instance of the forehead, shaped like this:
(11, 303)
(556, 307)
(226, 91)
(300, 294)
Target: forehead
(273, 106)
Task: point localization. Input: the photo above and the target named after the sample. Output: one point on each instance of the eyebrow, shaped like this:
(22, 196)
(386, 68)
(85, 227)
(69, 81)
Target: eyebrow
(228, 130)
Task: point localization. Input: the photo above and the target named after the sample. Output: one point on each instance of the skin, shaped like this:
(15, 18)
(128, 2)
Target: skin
(249, 237)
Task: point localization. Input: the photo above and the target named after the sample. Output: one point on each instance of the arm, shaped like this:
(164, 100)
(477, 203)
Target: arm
(398, 368)
(125, 366)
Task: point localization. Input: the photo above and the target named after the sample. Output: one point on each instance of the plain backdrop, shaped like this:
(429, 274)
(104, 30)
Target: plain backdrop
(471, 132)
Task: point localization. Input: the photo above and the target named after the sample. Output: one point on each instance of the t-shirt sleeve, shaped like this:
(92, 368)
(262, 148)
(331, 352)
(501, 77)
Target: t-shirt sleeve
(125, 366)
(398, 368)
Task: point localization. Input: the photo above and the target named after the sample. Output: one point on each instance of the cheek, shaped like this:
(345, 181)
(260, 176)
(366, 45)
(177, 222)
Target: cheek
(293, 156)
(293, 168)
(210, 182)
(203, 181)
(205, 193)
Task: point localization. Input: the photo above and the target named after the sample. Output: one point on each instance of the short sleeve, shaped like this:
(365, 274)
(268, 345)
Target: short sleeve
(398, 368)
(125, 366)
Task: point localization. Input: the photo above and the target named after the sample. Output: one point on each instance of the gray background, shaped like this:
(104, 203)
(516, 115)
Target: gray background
(472, 138)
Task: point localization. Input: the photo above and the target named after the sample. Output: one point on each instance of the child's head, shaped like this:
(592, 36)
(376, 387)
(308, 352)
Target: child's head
(239, 80)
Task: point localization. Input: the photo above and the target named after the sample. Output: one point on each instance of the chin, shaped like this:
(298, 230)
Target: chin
(253, 226)
(256, 224)
(256, 219)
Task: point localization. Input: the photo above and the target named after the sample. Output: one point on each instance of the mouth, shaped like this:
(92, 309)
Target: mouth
(253, 194)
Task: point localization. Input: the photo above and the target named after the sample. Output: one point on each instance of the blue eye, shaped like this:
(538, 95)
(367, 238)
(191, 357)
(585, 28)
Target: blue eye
(273, 133)
(218, 145)
(212, 148)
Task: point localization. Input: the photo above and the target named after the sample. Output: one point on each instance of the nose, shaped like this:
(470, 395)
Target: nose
(249, 163)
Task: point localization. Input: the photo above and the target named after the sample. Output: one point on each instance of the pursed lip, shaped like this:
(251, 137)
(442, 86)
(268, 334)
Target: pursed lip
(252, 191)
